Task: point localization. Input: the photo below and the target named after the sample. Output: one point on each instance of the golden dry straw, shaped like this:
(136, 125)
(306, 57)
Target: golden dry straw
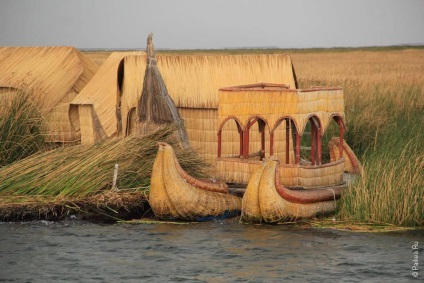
(87, 170)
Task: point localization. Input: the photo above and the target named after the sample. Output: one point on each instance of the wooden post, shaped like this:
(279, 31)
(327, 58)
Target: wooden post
(341, 133)
(313, 142)
(246, 143)
(219, 142)
(115, 177)
(319, 146)
(241, 139)
(262, 144)
(297, 148)
(287, 141)
(271, 143)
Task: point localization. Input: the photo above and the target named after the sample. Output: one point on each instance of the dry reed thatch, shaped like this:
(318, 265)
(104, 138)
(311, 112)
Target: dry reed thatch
(175, 195)
(155, 106)
(193, 81)
(54, 75)
(100, 111)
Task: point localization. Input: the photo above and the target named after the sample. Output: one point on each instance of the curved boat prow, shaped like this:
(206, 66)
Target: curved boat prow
(352, 164)
(275, 203)
(186, 197)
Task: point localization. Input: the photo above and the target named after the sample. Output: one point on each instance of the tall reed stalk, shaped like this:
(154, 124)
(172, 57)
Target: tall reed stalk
(22, 127)
(384, 106)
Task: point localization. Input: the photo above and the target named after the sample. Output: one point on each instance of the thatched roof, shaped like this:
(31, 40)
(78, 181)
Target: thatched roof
(53, 74)
(194, 81)
(48, 71)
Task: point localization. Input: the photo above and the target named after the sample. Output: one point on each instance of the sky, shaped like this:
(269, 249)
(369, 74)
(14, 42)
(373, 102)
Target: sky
(207, 24)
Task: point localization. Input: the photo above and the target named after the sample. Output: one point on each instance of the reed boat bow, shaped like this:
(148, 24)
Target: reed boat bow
(176, 195)
(266, 200)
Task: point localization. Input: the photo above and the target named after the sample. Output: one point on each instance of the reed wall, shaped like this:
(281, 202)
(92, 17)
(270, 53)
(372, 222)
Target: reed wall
(234, 170)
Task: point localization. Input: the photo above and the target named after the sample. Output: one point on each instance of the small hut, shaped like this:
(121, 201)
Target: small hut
(104, 107)
(52, 75)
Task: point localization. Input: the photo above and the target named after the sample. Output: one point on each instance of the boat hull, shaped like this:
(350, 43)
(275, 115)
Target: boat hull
(174, 197)
(265, 200)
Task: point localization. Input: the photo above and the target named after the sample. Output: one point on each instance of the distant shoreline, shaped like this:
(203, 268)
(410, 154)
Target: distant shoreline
(265, 49)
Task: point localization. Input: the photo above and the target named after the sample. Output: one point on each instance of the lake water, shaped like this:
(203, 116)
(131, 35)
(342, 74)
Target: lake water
(227, 251)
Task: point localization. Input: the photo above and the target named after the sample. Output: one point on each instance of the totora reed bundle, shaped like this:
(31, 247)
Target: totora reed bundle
(156, 107)
(80, 171)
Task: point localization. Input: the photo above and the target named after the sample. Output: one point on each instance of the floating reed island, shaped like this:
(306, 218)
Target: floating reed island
(150, 128)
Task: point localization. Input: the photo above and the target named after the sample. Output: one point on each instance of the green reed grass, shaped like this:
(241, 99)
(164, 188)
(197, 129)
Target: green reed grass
(384, 107)
(22, 127)
(79, 171)
(386, 131)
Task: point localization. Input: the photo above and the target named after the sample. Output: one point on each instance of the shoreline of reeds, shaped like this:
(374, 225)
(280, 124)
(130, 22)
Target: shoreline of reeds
(105, 207)
(384, 106)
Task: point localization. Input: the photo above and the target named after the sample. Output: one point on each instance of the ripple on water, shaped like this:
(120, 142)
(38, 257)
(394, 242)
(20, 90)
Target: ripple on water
(78, 251)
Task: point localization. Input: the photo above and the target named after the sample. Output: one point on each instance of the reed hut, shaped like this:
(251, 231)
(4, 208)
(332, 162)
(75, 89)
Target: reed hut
(107, 107)
(104, 107)
(54, 76)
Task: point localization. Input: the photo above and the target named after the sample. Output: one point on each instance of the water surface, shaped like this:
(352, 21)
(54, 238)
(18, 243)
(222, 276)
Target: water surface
(227, 251)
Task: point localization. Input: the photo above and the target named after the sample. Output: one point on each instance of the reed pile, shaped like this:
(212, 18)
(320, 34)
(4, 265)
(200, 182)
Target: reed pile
(105, 207)
(156, 107)
(82, 171)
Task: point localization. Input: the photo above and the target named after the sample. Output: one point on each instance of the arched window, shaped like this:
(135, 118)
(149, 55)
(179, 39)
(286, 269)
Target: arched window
(283, 140)
(310, 144)
(249, 136)
(232, 134)
(335, 128)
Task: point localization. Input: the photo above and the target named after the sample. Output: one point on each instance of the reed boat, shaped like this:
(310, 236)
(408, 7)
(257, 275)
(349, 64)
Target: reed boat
(267, 200)
(176, 195)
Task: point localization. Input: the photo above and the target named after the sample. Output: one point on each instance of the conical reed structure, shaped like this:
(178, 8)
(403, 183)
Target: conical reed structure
(155, 106)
